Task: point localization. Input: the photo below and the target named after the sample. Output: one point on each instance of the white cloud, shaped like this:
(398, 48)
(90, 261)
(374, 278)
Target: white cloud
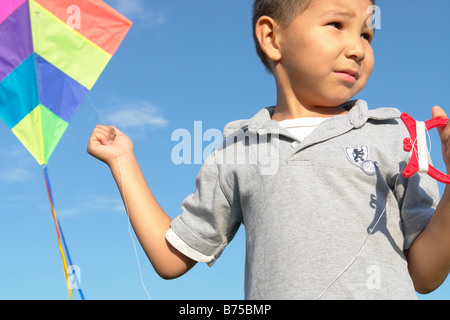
(136, 11)
(93, 204)
(16, 175)
(141, 114)
(17, 164)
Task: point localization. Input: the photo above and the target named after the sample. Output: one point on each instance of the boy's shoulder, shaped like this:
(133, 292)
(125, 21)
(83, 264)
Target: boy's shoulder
(258, 121)
(385, 113)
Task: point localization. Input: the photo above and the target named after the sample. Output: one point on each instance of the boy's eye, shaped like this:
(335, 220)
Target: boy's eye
(337, 25)
(366, 36)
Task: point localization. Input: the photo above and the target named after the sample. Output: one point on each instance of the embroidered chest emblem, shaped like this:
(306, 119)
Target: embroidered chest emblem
(359, 157)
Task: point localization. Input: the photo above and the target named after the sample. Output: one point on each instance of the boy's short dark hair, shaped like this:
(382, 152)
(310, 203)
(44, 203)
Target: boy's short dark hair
(282, 11)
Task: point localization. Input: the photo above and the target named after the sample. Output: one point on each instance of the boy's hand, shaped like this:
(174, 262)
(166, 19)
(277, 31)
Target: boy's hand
(444, 133)
(107, 143)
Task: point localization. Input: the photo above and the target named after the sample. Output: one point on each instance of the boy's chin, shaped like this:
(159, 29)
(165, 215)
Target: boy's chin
(335, 102)
(340, 99)
(332, 98)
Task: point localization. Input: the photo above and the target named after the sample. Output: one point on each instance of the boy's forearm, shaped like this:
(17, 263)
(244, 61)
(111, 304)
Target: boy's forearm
(429, 256)
(148, 219)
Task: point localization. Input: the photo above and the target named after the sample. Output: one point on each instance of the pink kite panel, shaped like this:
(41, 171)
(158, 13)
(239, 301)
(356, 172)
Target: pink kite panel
(7, 7)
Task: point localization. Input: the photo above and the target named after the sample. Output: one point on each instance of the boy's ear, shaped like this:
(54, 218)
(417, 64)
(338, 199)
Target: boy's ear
(266, 31)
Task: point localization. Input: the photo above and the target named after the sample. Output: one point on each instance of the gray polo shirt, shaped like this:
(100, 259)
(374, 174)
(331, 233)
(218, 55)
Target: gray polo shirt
(328, 217)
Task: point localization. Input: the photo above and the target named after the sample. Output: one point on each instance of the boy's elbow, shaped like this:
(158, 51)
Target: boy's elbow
(425, 291)
(168, 262)
(165, 276)
(426, 283)
(426, 288)
(426, 277)
(170, 275)
(176, 269)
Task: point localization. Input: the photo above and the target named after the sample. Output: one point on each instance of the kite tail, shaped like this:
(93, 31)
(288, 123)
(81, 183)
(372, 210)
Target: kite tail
(63, 249)
(78, 286)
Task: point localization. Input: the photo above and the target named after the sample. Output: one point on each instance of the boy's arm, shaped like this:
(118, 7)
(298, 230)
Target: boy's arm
(148, 219)
(429, 255)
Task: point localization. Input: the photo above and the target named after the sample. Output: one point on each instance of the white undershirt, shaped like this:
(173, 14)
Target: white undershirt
(301, 127)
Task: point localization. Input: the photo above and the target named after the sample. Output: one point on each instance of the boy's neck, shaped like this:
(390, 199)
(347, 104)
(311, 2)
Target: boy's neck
(292, 108)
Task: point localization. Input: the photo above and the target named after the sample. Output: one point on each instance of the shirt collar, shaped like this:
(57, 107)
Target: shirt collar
(357, 116)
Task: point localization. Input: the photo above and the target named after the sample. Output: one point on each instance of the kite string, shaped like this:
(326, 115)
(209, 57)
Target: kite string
(363, 246)
(372, 230)
(421, 143)
(95, 109)
(129, 228)
(122, 186)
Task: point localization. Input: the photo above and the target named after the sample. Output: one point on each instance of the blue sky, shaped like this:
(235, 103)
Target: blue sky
(182, 62)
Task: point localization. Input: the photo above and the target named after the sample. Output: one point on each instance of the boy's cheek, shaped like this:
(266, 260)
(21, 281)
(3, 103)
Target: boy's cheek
(367, 72)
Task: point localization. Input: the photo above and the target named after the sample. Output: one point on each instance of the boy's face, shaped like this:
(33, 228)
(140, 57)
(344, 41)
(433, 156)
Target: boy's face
(326, 52)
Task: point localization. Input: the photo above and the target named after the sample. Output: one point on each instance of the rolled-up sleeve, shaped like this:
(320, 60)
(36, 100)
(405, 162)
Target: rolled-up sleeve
(207, 223)
(419, 201)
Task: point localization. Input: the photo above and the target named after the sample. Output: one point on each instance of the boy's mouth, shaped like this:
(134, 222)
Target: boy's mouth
(348, 75)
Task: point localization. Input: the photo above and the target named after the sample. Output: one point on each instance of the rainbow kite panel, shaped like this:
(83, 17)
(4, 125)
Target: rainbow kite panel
(51, 54)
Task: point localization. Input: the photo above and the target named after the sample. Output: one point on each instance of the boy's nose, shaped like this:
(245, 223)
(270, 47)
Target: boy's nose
(355, 49)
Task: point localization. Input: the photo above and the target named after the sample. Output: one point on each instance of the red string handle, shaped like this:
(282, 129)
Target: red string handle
(410, 144)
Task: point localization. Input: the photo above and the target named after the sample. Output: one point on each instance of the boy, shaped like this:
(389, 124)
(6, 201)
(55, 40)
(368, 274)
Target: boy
(327, 214)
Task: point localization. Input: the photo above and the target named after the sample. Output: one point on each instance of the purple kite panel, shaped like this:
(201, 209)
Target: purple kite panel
(16, 40)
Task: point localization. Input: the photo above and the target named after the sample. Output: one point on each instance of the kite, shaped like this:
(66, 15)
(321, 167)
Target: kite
(51, 54)
(417, 145)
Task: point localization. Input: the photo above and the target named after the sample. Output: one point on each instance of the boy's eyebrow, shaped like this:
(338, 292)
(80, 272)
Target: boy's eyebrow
(339, 12)
(343, 13)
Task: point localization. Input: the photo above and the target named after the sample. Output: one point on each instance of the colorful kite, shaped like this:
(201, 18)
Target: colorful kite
(51, 54)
